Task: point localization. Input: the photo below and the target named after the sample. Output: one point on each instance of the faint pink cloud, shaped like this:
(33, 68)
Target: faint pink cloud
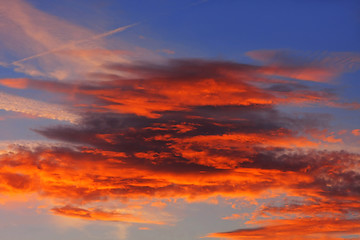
(167, 51)
(321, 67)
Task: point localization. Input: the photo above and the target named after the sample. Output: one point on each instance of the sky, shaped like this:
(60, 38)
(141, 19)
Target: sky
(191, 119)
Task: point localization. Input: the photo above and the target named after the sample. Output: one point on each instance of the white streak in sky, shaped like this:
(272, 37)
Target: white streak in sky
(36, 108)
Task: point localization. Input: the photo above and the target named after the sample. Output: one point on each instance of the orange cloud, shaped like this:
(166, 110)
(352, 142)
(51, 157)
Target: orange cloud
(322, 67)
(98, 214)
(356, 132)
(19, 83)
(53, 173)
(192, 130)
(232, 217)
(182, 85)
(299, 229)
(316, 74)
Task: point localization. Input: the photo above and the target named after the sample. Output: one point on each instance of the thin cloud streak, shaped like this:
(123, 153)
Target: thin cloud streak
(36, 108)
(319, 67)
(299, 229)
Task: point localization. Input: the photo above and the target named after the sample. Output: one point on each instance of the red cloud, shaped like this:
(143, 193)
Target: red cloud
(299, 229)
(98, 214)
(356, 132)
(190, 129)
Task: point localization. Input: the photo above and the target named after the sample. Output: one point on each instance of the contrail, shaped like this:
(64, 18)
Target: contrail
(120, 29)
(73, 43)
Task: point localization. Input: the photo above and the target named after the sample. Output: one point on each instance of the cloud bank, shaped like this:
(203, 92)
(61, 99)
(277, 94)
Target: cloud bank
(194, 129)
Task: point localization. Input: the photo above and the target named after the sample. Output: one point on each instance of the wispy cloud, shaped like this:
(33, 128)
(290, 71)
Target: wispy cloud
(99, 214)
(317, 67)
(37, 43)
(73, 44)
(36, 108)
(303, 228)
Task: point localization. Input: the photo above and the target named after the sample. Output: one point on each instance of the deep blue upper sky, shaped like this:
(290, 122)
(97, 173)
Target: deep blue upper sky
(223, 29)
